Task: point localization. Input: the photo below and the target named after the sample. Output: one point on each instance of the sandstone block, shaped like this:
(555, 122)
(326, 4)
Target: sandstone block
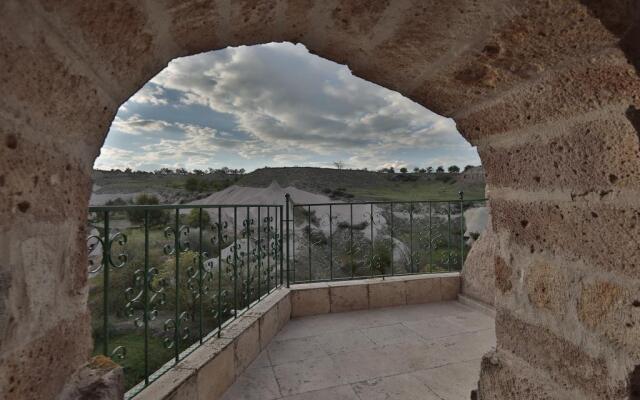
(425, 290)
(387, 294)
(310, 301)
(348, 297)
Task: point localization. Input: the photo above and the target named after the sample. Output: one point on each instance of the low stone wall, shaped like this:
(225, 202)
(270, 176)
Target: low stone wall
(212, 368)
(326, 297)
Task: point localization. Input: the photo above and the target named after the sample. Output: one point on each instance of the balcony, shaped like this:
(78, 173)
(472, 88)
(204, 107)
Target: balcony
(427, 351)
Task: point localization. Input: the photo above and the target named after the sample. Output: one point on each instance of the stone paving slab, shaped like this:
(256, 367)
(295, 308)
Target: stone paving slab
(427, 351)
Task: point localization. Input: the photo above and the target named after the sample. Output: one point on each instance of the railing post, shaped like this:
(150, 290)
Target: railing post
(330, 243)
(286, 202)
(219, 271)
(461, 196)
(309, 240)
(176, 331)
(392, 247)
(145, 298)
(200, 295)
(105, 295)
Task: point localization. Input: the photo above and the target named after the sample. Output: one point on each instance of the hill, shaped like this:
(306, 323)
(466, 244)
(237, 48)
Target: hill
(344, 184)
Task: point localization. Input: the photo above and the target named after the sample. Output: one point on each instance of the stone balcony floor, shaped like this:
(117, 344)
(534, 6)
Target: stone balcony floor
(429, 351)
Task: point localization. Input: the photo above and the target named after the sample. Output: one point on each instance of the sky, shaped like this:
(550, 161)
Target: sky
(274, 105)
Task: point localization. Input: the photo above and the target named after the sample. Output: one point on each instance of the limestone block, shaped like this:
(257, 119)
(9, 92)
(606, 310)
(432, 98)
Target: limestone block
(426, 290)
(567, 363)
(387, 294)
(310, 301)
(450, 287)
(284, 310)
(217, 375)
(246, 341)
(269, 326)
(175, 384)
(346, 296)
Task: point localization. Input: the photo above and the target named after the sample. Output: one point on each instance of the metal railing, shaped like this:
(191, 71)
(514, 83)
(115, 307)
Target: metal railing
(338, 241)
(163, 279)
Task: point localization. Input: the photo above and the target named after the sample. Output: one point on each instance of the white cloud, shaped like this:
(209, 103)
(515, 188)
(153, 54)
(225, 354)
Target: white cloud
(136, 125)
(281, 104)
(150, 94)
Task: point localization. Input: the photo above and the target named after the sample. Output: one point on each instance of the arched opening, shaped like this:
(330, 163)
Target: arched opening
(545, 90)
(395, 189)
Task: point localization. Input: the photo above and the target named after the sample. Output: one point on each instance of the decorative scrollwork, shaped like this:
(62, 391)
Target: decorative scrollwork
(182, 244)
(98, 251)
(171, 327)
(119, 352)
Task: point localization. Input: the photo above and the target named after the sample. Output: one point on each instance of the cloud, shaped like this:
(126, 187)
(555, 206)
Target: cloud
(150, 94)
(277, 103)
(136, 125)
(281, 94)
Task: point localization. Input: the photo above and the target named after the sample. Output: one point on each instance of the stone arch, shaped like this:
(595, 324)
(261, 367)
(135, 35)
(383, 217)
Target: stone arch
(547, 90)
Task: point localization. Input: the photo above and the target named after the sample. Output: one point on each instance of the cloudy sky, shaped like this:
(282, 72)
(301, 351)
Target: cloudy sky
(274, 105)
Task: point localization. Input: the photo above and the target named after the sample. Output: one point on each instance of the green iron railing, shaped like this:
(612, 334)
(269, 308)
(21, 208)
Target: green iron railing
(163, 279)
(338, 241)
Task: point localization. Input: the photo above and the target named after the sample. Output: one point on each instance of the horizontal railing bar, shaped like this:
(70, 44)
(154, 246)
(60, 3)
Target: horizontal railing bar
(175, 206)
(388, 202)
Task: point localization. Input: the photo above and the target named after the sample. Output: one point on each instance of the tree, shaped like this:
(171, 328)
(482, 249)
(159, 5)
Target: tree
(422, 170)
(391, 170)
(192, 184)
(440, 169)
(198, 172)
(429, 170)
(193, 219)
(454, 169)
(403, 170)
(467, 167)
(338, 164)
(416, 170)
(156, 217)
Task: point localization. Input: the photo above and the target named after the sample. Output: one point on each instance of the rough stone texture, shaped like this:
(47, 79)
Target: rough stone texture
(548, 91)
(450, 287)
(388, 294)
(478, 277)
(347, 297)
(100, 379)
(420, 291)
(310, 301)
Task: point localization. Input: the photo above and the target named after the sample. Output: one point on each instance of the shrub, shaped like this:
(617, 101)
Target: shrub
(156, 217)
(193, 219)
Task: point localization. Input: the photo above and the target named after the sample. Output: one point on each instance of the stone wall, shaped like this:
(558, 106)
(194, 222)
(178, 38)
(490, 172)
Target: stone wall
(547, 90)
(478, 272)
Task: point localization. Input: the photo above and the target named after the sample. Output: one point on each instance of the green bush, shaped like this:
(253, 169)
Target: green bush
(193, 219)
(156, 217)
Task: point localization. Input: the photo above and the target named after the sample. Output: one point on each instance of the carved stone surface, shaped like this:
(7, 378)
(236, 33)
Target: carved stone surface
(547, 91)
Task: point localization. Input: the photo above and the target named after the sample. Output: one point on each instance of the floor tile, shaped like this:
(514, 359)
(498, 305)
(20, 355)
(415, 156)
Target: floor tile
(281, 352)
(344, 341)
(453, 381)
(306, 375)
(254, 384)
(391, 334)
(403, 386)
(344, 392)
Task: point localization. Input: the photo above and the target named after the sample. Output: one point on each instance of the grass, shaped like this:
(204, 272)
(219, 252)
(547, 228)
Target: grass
(133, 363)
(420, 190)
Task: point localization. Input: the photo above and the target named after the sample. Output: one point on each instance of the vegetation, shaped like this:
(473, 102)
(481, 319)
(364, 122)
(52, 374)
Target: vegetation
(156, 217)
